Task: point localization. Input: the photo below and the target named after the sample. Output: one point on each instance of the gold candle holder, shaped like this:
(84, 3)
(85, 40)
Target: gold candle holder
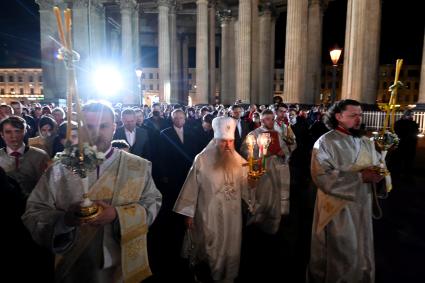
(88, 210)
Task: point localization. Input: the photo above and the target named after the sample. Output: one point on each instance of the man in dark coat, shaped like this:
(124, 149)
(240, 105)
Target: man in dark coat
(242, 127)
(178, 146)
(403, 157)
(136, 137)
(177, 150)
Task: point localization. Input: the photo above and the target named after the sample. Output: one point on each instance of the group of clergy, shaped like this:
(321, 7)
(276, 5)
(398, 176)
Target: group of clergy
(193, 180)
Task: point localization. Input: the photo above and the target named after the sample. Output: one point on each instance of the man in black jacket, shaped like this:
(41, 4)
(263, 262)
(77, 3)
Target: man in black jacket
(136, 137)
(177, 150)
(242, 127)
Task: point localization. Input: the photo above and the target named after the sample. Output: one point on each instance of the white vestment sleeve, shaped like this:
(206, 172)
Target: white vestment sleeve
(338, 183)
(151, 198)
(44, 221)
(188, 197)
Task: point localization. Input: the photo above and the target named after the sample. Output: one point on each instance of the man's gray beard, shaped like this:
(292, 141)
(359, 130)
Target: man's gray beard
(225, 160)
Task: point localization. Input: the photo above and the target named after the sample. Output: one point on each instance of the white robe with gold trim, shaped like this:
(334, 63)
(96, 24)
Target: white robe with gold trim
(214, 201)
(124, 179)
(342, 235)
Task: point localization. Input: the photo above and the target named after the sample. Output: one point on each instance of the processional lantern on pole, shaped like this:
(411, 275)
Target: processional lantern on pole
(257, 153)
(386, 139)
(80, 158)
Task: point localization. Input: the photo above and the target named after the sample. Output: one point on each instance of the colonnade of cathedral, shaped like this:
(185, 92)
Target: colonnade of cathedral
(245, 33)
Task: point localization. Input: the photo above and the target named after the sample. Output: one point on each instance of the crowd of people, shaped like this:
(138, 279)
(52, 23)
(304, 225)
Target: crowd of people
(177, 199)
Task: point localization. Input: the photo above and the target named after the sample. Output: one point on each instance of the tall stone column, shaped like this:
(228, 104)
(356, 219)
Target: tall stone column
(211, 49)
(265, 94)
(82, 42)
(179, 69)
(136, 36)
(53, 69)
(295, 46)
(232, 57)
(136, 53)
(81, 29)
(255, 53)
(185, 67)
(272, 55)
(227, 65)
(243, 80)
(361, 50)
(98, 30)
(129, 95)
(174, 56)
(421, 99)
(314, 53)
(164, 57)
(115, 43)
(373, 36)
(201, 52)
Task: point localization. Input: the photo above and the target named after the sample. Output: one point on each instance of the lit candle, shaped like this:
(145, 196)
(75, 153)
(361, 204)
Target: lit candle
(264, 156)
(250, 141)
(263, 142)
(260, 156)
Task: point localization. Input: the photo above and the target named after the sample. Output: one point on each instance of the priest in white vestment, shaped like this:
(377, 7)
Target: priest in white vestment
(112, 247)
(211, 199)
(342, 167)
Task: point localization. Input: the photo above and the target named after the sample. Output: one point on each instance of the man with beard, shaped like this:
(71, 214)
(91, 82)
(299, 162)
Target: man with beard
(112, 246)
(342, 167)
(211, 200)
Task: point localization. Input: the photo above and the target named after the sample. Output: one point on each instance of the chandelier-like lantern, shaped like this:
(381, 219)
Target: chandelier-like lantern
(257, 164)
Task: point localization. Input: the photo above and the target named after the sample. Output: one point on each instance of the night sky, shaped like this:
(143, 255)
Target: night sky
(402, 32)
(19, 34)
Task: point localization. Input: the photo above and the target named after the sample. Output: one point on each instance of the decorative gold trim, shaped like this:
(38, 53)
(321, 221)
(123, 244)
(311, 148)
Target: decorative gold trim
(134, 233)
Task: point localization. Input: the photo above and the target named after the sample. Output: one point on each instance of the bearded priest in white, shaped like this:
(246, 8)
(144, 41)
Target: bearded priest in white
(211, 198)
(112, 247)
(342, 166)
(272, 190)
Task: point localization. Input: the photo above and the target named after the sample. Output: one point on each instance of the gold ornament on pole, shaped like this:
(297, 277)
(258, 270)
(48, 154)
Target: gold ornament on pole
(386, 138)
(79, 158)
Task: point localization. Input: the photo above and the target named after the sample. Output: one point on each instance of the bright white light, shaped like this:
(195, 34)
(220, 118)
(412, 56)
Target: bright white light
(107, 81)
(139, 73)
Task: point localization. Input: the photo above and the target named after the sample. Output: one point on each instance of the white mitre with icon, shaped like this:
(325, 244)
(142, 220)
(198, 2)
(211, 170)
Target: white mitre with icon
(224, 128)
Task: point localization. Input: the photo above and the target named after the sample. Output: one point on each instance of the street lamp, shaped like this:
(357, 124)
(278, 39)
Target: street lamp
(335, 54)
(139, 80)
